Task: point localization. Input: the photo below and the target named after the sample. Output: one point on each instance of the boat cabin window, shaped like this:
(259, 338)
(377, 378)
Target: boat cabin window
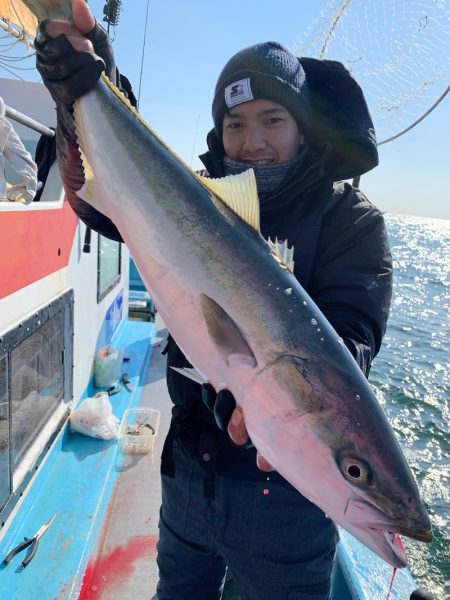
(35, 388)
(109, 261)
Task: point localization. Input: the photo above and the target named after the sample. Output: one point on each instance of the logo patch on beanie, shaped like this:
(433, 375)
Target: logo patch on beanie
(237, 92)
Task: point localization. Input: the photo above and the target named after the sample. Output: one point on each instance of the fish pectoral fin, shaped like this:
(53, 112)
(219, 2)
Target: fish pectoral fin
(282, 254)
(226, 335)
(241, 360)
(191, 373)
(239, 193)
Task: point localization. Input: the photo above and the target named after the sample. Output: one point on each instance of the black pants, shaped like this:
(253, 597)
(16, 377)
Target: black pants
(276, 544)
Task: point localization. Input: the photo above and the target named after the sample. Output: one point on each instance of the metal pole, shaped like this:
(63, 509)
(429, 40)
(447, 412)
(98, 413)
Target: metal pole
(417, 121)
(22, 36)
(28, 121)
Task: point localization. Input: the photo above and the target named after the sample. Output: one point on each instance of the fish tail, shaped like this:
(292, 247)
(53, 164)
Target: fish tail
(50, 9)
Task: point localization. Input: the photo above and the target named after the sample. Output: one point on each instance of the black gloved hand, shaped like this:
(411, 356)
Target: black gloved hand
(67, 73)
(222, 405)
(421, 594)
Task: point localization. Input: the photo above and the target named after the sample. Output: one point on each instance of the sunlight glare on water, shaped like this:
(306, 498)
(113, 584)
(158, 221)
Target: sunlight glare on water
(411, 376)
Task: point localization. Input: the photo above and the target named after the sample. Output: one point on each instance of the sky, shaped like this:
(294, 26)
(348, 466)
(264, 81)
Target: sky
(187, 44)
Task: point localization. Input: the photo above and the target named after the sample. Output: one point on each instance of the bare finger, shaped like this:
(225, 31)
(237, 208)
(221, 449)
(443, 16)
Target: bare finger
(262, 463)
(82, 16)
(55, 27)
(236, 428)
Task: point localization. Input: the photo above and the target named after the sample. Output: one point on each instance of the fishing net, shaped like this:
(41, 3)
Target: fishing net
(398, 50)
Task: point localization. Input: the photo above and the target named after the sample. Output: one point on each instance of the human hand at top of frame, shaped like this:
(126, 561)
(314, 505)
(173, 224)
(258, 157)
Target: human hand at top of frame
(70, 56)
(230, 417)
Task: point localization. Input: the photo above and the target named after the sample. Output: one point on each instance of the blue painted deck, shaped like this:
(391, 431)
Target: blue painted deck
(75, 483)
(367, 576)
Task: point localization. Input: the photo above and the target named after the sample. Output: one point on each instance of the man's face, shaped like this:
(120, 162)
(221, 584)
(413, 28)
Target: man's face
(261, 131)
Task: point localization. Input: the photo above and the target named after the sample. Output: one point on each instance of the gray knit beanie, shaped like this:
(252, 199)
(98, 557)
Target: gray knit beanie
(265, 71)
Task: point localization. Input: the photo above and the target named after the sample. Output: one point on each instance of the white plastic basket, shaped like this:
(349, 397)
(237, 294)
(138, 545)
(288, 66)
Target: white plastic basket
(138, 430)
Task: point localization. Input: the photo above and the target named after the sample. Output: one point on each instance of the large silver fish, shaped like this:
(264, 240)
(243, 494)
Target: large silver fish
(241, 317)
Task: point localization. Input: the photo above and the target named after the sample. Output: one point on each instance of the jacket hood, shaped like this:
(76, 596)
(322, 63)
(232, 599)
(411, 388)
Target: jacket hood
(341, 130)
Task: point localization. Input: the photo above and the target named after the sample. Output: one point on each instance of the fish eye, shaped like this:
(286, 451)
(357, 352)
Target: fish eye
(354, 470)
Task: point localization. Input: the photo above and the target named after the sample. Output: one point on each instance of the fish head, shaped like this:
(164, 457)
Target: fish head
(322, 428)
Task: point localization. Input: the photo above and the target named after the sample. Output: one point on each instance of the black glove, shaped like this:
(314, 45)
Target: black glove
(67, 73)
(361, 353)
(222, 404)
(421, 594)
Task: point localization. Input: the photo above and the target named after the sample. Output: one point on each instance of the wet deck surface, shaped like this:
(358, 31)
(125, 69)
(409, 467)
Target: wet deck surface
(126, 565)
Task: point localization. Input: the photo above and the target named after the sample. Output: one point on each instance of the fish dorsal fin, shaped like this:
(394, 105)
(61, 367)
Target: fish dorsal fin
(239, 193)
(226, 334)
(282, 254)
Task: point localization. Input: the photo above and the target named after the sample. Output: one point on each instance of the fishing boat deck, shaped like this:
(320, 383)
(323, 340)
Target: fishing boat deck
(125, 565)
(126, 561)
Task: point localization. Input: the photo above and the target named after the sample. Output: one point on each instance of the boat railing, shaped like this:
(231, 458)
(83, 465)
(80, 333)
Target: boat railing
(23, 119)
(50, 190)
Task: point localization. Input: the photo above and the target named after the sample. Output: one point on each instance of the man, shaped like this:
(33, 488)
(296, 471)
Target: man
(301, 125)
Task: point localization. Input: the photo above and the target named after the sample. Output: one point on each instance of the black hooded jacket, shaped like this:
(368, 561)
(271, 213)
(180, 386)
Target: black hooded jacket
(342, 255)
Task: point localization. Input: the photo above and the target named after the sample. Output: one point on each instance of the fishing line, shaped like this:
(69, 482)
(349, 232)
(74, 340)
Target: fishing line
(2, 66)
(143, 52)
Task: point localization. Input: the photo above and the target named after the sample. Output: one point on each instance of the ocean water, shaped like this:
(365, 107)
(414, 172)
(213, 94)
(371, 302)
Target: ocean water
(411, 376)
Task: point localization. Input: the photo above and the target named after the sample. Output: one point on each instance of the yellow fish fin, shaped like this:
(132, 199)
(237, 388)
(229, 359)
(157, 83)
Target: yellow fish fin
(88, 191)
(115, 90)
(239, 193)
(282, 254)
(137, 114)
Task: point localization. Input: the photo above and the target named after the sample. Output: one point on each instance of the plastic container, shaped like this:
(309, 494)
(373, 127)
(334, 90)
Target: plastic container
(138, 430)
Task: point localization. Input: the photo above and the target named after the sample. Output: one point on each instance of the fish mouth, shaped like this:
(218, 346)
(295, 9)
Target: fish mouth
(394, 543)
(383, 531)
